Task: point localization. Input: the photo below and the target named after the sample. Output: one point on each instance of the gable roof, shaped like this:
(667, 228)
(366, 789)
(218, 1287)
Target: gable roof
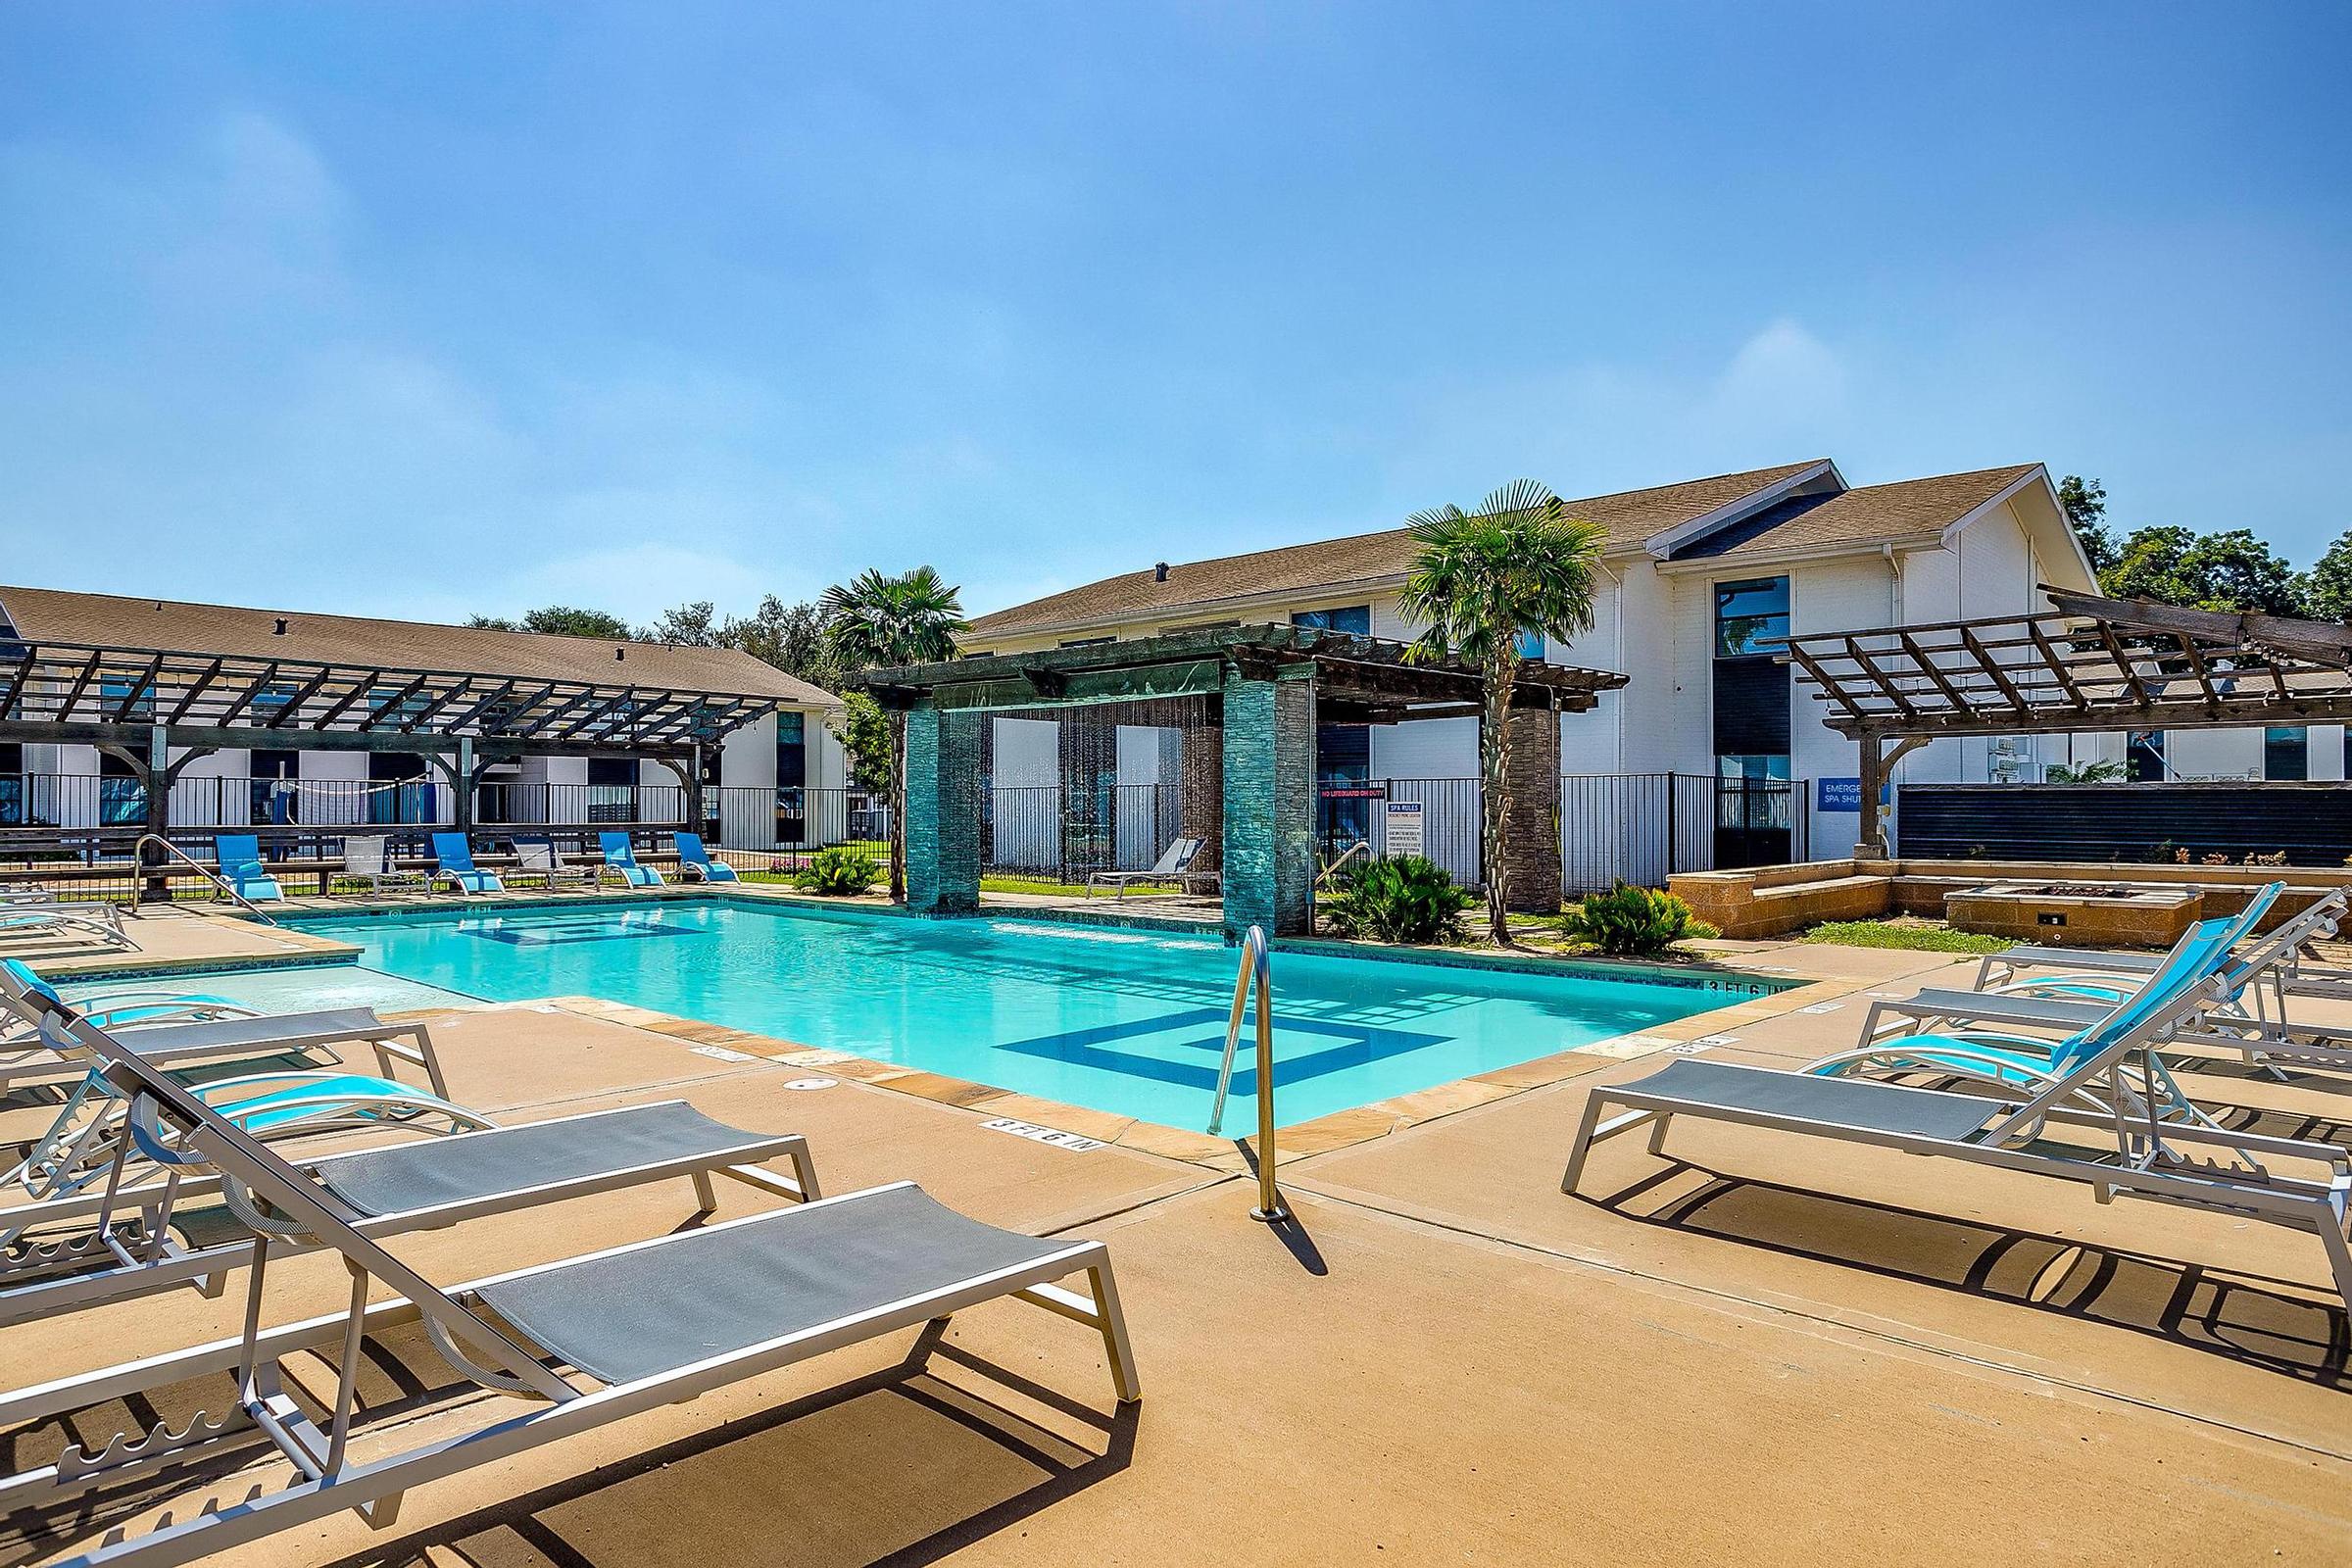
(113, 621)
(1871, 514)
(1631, 516)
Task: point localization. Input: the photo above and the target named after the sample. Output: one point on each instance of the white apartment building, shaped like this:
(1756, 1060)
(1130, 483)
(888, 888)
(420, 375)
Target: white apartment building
(1702, 580)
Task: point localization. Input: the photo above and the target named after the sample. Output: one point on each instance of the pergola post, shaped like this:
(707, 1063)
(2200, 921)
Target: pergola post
(155, 779)
(1871, 842)
(943, 810)
(1269, 847)
(464, 785)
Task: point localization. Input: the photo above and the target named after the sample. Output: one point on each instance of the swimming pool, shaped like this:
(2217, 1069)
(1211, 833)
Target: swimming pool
(1122, 1020)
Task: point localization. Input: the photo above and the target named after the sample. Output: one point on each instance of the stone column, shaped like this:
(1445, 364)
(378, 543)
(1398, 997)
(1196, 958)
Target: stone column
(942, 812)
(1268, 807)
(1530, 832)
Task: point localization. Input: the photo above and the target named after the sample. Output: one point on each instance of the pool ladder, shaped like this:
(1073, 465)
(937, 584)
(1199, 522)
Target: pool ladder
(1256, 970)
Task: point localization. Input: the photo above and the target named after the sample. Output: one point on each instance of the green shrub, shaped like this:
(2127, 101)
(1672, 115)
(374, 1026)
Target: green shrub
(1631, 921)
(1407, 900)
(842, 871)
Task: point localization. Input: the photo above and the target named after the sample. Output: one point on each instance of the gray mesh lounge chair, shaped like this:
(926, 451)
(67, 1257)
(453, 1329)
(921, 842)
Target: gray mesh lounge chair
(1173, 865)
(589, 1340)
(2110, 1152)
(368, 858)
(225, 1034)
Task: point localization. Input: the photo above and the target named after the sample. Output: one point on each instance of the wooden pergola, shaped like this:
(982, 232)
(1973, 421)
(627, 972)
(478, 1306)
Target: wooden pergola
(144, 704)
(1248, 785)
(2088, 664)
(1358, 680)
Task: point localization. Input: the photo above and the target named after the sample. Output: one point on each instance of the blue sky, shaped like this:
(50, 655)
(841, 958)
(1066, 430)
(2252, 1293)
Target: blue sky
(434, 307)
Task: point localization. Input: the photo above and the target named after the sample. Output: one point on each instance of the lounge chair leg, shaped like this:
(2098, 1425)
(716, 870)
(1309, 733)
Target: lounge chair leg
(1657, 1136)
(1114, 1332)
(706, 1192)
(1583, 1144)
(804, 1171)
(2339, 1255)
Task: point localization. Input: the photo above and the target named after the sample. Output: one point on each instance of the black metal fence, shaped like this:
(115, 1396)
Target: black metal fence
(1635, 827)
(1046, 832)
(2309, 823)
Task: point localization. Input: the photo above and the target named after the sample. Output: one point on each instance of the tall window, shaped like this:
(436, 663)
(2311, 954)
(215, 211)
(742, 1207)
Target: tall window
(1530, 645)
(12, 781)
(1355, 618)
(2143, 756)
(792, 778)
(2286, 752)
(1751, 616)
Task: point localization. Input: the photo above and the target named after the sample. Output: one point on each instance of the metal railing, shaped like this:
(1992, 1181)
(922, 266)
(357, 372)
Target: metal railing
(1256, 973)
(173, 852)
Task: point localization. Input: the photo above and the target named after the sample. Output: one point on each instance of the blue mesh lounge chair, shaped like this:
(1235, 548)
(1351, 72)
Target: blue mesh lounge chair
(583, 1343)
(621, 856)
(2042, 1128)
(241, 867)
(453, 863)
(694, 863)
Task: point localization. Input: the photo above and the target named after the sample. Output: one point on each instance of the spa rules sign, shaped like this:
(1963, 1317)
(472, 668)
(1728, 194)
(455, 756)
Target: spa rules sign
(1400, 829)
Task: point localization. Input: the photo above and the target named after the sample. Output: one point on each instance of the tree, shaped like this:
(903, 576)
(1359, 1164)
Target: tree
(866, 734)
(564, 621)
(791, 637)
(2085, 505)
(689, 625)
(2330, 581)
(1480, 581)
(2232, 571)
(876, 620)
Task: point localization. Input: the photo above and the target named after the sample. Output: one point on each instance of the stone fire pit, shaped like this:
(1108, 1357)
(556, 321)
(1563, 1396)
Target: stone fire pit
(2077, 914)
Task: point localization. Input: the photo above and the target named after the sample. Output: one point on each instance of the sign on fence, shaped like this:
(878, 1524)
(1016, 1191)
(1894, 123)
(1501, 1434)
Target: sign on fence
(1842, 794)
(1400, 828)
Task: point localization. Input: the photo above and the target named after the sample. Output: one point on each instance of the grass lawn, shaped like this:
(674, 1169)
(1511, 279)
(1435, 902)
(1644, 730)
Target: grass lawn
(1039, 885)
(1904, 931)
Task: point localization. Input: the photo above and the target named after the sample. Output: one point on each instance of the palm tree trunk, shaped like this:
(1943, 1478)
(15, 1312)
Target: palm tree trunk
(1494, 754)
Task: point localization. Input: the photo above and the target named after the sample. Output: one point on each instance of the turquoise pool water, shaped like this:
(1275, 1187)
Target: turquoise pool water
(1122, 1020)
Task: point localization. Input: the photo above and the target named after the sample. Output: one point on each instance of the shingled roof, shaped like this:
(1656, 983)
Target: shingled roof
(1873, 513)
(111, 620)
(1631, 516)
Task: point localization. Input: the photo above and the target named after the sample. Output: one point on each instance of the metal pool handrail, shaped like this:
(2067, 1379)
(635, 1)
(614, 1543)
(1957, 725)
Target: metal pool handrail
(1257, 965)
(173, 852)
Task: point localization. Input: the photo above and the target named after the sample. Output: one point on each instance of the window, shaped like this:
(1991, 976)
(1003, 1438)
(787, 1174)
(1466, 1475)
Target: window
(1530, 645)
(613, 789)
(11, 786)
(1355, 618)
(2286, 752)
(1751, 616)
(2143, 756)
(121, 799)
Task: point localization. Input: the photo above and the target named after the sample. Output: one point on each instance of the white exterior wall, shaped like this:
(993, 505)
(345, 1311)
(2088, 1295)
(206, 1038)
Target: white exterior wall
(1831, 595)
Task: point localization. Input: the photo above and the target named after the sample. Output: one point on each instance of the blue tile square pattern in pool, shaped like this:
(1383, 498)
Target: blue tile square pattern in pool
(1127, 1022)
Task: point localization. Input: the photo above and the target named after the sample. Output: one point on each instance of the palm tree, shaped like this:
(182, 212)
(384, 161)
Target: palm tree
(1482, 580)
(874, 620)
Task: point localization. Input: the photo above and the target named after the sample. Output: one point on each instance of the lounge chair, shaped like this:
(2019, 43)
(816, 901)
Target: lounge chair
(591, 1340)
(368, 858)
(184, 1031)
(537, 861)
(239, 856)
(37, 921)
(694, 863)
(2302, 971)
(2107, 1150)
(2005, 1061)
(453, 863)
(620, 855)
(2248, 1015)
(96, 1249)
(38, 899)
(1173, 865)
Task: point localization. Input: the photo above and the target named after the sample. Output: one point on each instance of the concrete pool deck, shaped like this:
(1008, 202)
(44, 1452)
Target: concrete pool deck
(1775, 1354)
